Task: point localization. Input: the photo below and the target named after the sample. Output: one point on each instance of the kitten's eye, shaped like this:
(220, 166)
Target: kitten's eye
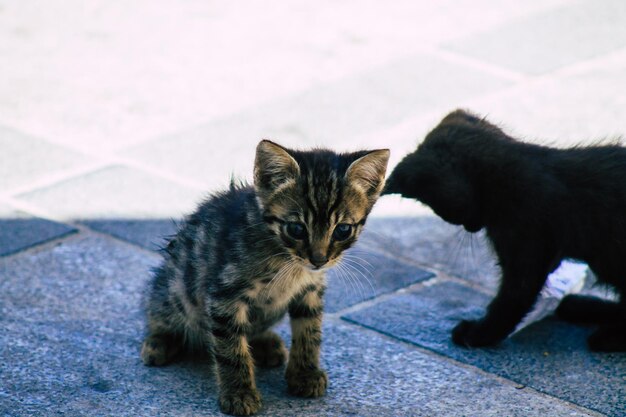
(342, 231)
(296, 230)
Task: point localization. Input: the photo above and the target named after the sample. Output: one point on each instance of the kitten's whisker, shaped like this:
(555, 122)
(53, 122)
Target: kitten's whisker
(364, 277)
(456, 249)
(339, 277)
(268, 288)
(354, 256)
(367, 273)
(268, 239)
(277, 280)
(350, 279)
(253, 225)
(358, 261)
(285, 269)
(357, 282)
(267, 258)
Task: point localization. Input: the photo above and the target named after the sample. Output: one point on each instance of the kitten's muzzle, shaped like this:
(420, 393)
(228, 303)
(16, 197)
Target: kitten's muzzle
(318, 260)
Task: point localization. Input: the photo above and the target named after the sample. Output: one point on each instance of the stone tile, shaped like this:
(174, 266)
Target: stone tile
(21, 231)
(363, 275)
(76, 368)
(548, 40)
(72, 326)
(87, 278)
(25, 159)
(115, 192)
(576, 108)
(96, 95)
(151, 234)
(329, 115)
(435, 244)
(549, 356)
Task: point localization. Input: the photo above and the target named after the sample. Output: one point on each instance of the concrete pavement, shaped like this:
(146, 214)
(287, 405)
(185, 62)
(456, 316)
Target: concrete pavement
(116, 118)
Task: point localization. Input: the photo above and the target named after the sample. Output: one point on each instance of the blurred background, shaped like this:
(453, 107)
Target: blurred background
(118, 117)
(139, 108)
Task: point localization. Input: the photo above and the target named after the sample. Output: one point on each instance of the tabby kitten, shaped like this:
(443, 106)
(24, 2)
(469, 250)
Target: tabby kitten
(249, 255)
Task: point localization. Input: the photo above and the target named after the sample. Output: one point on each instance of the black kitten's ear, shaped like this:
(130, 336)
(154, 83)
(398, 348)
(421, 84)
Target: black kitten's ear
(461, 115)
(273, 166)
(367, 173)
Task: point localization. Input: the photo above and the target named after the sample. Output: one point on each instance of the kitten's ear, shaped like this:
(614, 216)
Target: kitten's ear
(368, 172)
(273, 166)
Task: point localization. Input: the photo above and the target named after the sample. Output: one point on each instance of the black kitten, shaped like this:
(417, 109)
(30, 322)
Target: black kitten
(538, 205)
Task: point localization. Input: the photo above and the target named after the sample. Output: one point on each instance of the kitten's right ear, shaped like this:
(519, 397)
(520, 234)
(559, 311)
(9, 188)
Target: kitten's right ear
(273, 166)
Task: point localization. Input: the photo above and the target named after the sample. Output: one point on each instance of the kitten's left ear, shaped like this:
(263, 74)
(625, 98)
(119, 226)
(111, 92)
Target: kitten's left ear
(368, 172)
(273, 166)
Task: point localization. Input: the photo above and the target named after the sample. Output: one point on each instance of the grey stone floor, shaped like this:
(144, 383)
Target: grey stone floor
(117, 117)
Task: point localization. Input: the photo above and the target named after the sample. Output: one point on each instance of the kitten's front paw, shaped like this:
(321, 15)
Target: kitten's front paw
(472, 334)
(309, 383)
(240, 402)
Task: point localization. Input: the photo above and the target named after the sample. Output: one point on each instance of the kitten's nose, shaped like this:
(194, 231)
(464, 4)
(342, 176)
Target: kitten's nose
(318, 260)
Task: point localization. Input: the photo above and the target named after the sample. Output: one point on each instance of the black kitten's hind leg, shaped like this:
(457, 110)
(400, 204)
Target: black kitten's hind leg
(609, 338)
(611, 335)
(589, 309)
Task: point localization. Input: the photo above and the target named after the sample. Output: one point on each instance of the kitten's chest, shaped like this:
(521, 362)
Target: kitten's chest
(274, 292)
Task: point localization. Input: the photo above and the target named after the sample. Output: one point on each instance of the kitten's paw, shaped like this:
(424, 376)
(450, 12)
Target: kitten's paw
(472, 334)
(268, 350)
(309, 383)
(608, 339)
(158, 350)
(240, 402)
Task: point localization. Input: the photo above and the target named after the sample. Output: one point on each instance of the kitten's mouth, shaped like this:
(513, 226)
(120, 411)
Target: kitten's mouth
(316, 268)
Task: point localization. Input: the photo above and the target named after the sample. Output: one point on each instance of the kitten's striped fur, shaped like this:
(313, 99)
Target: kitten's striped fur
(249, 255)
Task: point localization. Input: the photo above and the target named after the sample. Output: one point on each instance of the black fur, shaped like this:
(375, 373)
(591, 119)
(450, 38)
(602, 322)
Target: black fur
(538, 205)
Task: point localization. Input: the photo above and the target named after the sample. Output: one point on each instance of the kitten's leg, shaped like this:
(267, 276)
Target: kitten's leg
(268, 350)
(163, 342)
(589, 309)
(160, 348)
(608, 338)
(518, 291)
(611, 337)
(304, 376)
(234, 365)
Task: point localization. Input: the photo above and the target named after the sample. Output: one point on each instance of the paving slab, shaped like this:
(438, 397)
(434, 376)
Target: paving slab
(72, 326)
(25, 159)
(115, 192)
(549, 356)
(21, 231)
(363, 275)
(579, 107)
(551, 39)
(200, 60)
(151, 234)
(431, 242)
(84, 278)
(361, 103)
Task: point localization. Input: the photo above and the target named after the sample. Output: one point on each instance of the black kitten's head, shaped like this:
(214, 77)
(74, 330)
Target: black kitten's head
(438, 173)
